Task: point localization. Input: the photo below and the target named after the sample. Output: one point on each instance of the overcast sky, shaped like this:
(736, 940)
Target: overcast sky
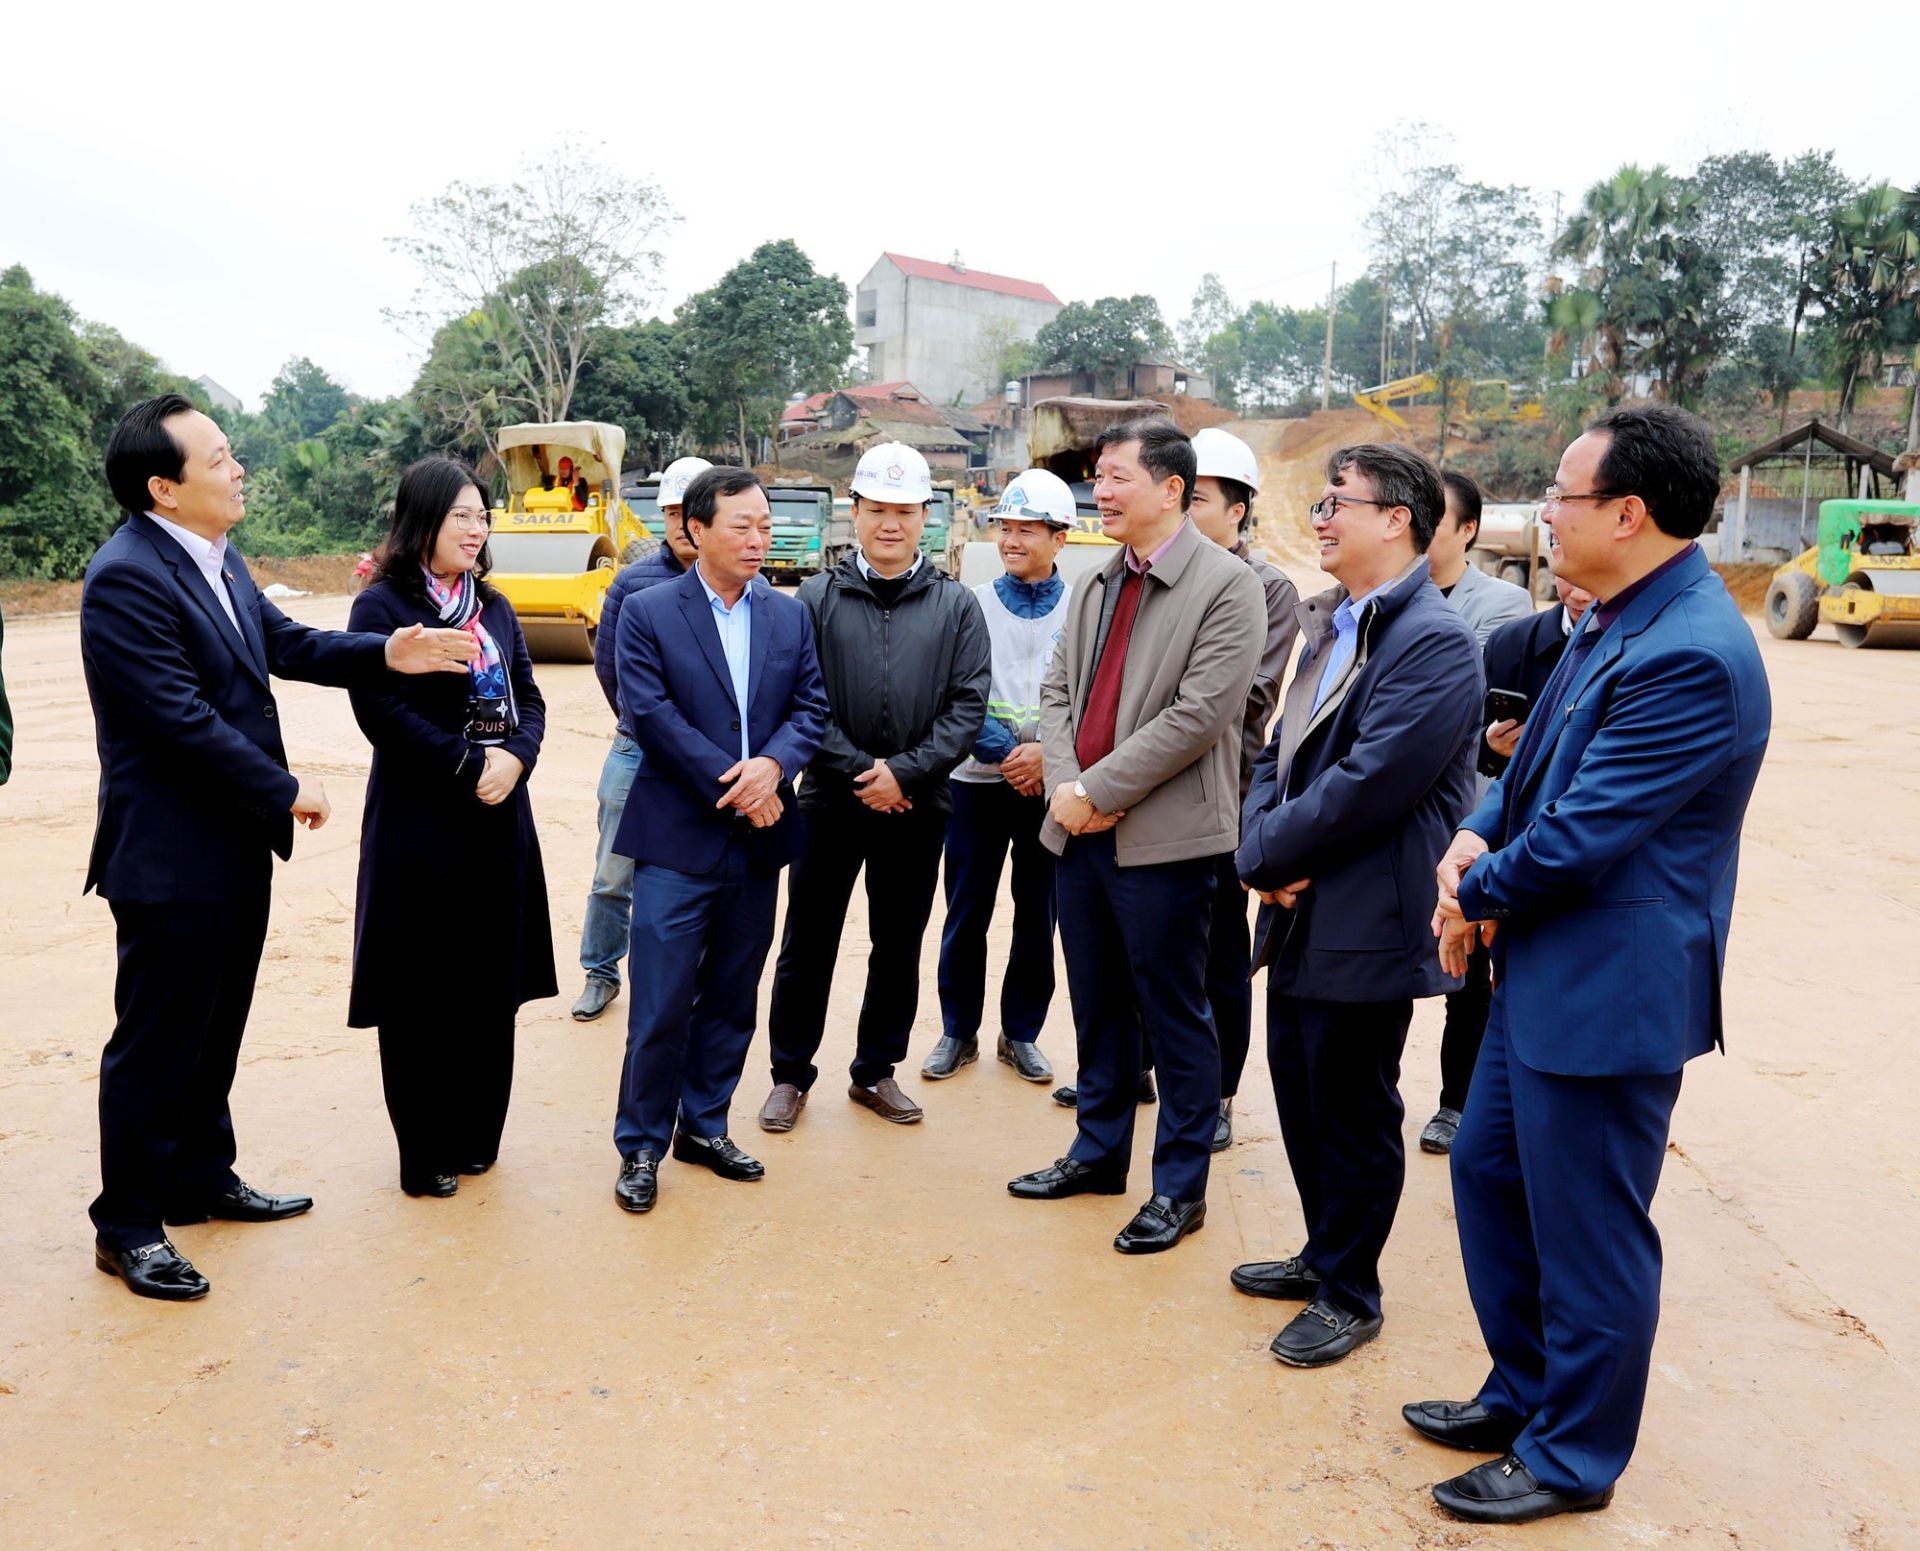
(218, 181)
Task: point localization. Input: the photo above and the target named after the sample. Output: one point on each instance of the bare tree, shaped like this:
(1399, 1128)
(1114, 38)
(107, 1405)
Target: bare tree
(542, 261)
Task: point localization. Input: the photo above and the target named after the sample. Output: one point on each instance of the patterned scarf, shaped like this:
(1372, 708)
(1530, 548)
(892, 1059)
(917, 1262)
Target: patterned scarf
(458, 603)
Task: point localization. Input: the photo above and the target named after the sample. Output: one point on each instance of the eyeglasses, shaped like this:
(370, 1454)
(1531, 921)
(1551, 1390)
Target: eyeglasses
(1327, 506)
(1555, 496)
(465, 517)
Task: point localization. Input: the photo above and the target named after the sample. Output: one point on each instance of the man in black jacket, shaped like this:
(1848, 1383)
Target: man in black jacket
(1522, 654)
(907, 660)
(1370, 766)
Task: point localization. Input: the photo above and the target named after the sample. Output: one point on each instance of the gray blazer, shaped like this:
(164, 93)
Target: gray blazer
(1175, 765)
(1486, 603)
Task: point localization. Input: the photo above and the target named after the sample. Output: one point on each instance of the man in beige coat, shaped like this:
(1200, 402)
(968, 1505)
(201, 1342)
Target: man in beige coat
(1140, 719)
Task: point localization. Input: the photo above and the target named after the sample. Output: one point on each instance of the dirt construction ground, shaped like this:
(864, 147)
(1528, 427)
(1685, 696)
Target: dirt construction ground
(876, 1346)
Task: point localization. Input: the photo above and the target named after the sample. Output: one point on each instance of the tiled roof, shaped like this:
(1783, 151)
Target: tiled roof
(979, 279)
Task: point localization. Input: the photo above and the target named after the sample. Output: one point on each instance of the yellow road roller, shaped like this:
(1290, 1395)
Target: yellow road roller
(561, 534)
(1863, 579)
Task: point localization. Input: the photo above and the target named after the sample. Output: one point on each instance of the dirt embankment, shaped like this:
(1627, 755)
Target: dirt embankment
(303, 573)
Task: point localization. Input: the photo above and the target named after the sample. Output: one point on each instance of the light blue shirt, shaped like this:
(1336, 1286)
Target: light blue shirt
(1346, 639)
(736, 640)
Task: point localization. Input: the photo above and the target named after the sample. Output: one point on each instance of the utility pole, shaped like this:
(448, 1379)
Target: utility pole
(1326, 361)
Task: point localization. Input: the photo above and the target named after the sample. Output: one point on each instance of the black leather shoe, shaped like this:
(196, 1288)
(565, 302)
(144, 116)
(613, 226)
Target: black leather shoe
(154, 1271)
(243, 1204)
(473, 1168)
(1504, 1491)
(1069, 1177)
(949, 1056)
(1322, 1333)
(1289, 1278)
(438, 1186)
(1440, 1132)
(639, 1183)
(1069, 1098)
(719, 1154)
(1223, 1128)
(1462, 1424)
(1162, 1223)
(1024, 1056)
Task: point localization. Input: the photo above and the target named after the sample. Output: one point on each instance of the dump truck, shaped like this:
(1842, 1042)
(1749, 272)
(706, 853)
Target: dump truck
(802, 516)
(1863, 577)
(553, 563)
(1512, 545)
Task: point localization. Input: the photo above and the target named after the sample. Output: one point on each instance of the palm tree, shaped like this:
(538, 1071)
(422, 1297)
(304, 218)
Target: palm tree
(1864, 282)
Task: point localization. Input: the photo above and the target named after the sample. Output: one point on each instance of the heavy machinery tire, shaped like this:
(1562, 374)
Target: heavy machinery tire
(1793, 606)
(1514, 571)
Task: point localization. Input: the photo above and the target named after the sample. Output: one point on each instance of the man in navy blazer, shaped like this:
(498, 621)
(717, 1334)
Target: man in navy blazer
(1368, 771)
(179, 648)
(722, 687)
(1601, 865)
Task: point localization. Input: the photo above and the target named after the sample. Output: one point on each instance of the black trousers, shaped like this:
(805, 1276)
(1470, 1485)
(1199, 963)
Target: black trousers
(1336, 1083)
(1466, 1026)
(1229, 992)
(901, 855)
(990, 820)
(448, 1076)
(180, 998)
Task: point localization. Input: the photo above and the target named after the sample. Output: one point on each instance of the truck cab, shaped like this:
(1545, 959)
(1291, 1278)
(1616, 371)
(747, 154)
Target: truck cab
(802, 517)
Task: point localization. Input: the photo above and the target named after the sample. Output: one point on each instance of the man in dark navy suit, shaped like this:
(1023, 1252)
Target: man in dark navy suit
(722, 687)
(1370, 767)
(195, 799)
(1601, 866)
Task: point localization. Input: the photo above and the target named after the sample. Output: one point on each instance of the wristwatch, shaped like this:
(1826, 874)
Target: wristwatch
(1080, 791)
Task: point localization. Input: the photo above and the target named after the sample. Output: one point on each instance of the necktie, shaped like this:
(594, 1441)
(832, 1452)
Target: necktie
(1099, 721)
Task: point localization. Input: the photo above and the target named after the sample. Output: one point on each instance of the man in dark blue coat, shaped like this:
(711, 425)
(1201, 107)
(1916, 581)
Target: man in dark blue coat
(1601, 866)
(719, 677)
(1369, 768)
(195, 800)
(606, 927)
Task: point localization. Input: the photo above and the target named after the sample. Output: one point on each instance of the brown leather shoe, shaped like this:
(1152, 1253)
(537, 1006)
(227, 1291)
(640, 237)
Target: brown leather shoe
(888, 1102)
(782, 1108)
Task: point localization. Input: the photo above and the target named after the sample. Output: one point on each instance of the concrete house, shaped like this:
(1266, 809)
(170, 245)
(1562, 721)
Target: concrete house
(921, 321)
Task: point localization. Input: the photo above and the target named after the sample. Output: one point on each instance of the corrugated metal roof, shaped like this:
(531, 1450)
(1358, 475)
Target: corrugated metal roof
(978, 279)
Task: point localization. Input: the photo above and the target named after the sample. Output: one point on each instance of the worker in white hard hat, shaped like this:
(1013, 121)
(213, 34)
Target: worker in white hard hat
(605, 931)
(998, 795)
(905, 654)
(1226, 481)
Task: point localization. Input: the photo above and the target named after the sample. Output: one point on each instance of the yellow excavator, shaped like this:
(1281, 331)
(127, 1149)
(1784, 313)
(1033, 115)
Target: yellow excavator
(1490, 398)
(554, 562)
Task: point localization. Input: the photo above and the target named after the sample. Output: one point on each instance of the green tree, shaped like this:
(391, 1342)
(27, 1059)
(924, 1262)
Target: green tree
(1865, 286)
(62, 386)
(303, 401)
(772, 327)
(632, 379)
(1102, 337)
(547, 260)
(1002, 352)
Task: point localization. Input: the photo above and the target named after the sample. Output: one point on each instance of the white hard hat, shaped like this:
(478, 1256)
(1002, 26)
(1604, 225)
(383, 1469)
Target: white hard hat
(1039, 495)
(1222, 455)
(893, 471)
(680, 473)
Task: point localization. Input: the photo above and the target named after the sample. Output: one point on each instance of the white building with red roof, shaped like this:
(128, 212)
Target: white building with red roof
(925, 323)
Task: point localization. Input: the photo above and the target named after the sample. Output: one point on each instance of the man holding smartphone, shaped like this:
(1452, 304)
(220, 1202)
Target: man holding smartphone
(1487, 604)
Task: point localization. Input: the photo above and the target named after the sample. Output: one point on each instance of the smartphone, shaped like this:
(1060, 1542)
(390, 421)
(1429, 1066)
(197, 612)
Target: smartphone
(1503, 705)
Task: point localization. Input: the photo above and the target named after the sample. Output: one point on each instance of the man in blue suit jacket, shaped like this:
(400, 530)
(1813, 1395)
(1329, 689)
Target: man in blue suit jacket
(722, 686)
(1370, 767)
(1601, 865)
(195, 800)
